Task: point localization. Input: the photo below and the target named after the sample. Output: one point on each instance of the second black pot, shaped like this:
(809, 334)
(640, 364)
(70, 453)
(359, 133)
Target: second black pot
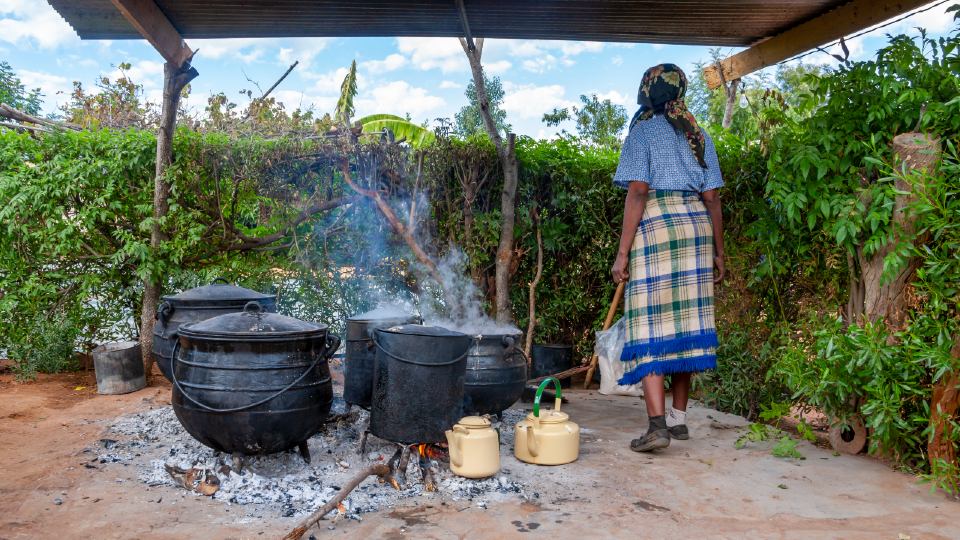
(417, 383)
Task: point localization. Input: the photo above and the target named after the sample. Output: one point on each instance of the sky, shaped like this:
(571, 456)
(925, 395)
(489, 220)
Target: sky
(424, 77)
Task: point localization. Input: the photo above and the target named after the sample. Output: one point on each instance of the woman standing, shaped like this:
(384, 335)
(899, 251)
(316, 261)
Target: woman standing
(673, 240)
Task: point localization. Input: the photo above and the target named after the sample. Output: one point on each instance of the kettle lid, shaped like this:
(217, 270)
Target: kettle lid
(549, 417)
(474, 422)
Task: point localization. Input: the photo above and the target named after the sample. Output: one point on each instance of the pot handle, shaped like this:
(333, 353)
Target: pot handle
(164, 310)
(204, 406)
(536, 399)
(220, 280)
(331, 346)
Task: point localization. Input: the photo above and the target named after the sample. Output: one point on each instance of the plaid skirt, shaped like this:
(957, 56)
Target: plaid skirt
(669, 299)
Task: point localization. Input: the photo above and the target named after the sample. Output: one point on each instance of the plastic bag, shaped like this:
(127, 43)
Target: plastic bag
(608, 348)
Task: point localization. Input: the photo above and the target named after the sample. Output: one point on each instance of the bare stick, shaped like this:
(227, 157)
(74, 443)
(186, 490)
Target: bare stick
(380, 470)
(533, 286)
(606, 325)
(24, 127)
(280, 80)
(561, 375)
(7, 111)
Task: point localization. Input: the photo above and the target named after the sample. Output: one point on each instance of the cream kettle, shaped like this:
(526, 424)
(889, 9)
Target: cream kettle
(474, 448)
(547, 438)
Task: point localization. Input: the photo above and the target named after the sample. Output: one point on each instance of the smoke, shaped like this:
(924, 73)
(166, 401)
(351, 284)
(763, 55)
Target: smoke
(457, 303)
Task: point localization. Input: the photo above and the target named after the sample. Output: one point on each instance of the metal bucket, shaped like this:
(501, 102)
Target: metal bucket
(119, 367)
(417, 383)
(360, 357)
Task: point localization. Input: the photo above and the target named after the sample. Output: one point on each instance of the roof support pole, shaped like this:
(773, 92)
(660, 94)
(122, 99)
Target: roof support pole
(147, 18)
(850, 17)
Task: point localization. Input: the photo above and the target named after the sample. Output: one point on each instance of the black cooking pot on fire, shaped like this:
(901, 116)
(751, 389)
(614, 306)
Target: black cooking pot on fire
(252, 382)
(360, 355)
(496, 374)
(417, 382)
(199, 304)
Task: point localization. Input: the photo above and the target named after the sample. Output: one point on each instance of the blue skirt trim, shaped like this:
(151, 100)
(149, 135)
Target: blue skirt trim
(666, 367)
(703, 340)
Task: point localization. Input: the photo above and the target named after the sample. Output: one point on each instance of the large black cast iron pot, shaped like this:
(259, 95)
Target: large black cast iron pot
(252, 382)
(199, 304)
(358, 364)
(417, 382)
(496, 374)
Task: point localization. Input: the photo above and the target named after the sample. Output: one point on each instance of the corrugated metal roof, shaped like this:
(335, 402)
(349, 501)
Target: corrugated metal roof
(710, 22)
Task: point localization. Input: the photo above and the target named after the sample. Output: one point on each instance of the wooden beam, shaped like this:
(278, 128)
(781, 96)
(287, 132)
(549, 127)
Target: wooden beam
(846, 19)
(156, 28)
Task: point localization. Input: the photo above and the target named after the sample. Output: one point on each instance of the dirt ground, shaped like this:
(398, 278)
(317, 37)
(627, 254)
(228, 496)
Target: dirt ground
(698, 488)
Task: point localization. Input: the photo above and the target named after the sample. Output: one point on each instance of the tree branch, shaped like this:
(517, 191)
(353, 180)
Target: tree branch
(395, 223)
(380, 469)
(532, 323)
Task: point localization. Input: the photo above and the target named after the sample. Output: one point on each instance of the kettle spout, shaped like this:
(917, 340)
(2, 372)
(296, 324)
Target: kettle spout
(453, 445)
(532, 446)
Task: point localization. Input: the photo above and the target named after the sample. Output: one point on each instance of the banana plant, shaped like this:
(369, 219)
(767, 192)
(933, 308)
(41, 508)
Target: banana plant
(397, 128)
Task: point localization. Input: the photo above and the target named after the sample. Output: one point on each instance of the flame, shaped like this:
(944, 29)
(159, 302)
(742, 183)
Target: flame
(341, 508)
(429, 451)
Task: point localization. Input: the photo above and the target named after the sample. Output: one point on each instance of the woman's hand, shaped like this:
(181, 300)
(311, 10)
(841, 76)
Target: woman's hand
(619, 270)
(718, 270)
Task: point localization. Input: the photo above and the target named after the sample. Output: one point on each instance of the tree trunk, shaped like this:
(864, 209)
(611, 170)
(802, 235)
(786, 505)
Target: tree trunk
(944, 405)
(888, 300)
(175, 78)
(730, 89)
(506, 151)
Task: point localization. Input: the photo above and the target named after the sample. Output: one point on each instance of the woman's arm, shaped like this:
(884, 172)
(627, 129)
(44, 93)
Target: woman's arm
(633, 206)
(711, 199)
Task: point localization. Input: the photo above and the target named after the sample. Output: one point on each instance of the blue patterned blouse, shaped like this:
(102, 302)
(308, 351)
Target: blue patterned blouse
(656, 154)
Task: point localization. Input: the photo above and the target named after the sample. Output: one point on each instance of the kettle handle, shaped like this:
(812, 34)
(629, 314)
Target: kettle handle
(543, 385)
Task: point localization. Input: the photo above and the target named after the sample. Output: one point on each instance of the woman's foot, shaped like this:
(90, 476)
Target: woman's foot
(657, 436)
(677, 424)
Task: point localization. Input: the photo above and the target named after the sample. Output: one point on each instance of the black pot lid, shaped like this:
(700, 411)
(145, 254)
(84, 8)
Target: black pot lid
(421, 330)
(253, 323)
(219, 293)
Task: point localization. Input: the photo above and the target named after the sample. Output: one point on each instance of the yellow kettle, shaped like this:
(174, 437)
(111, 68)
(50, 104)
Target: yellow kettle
(474, 448)
(549, 438)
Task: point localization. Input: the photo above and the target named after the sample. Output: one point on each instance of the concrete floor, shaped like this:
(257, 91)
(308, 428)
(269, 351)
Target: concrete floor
(702, 488)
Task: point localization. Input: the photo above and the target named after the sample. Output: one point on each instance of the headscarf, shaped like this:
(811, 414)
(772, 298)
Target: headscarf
(661, 91)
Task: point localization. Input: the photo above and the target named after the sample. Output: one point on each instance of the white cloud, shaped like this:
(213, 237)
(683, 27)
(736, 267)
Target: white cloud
(540, 64)
(56, 89)
(304, 50)
(450, 85)
(617, 60)
(615, 97)
(146, 72)
(400, 98)
(293, 99)
(34, 22)
(444, 54)
(525, 102)
(215, 49)
(540, 56)
(331, 81)
(390, 63)
(657, 46)
(498, 67)
(935, 21)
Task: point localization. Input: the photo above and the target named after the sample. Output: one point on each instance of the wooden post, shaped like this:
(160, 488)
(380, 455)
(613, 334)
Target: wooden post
(175, 78)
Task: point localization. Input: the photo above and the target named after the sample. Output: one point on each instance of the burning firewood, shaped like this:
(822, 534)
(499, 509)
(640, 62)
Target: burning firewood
(379, 470)
(203, 481)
